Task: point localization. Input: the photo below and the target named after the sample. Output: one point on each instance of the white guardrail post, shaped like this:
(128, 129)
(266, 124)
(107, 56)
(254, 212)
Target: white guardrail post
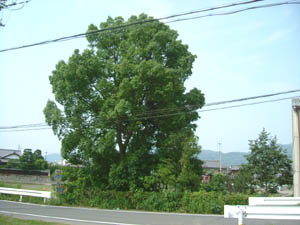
(240, 217)
(274, 200)
(263, 212)
(23, 192)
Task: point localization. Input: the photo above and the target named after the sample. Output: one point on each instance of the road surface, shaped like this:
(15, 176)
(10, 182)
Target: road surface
(91, 216)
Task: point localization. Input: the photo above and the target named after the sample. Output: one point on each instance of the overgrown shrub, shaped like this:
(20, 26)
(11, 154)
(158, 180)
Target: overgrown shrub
(188, 202)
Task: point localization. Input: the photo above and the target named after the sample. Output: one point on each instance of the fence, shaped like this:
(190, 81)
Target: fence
(23, 192)
(265, 208)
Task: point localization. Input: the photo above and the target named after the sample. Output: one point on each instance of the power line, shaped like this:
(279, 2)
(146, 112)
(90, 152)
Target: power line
(248, 104)
(44, 128)
(67, 38)
(235, 11)
(24, 126)
(253, 97)
(173, 109)
(42, 125)
(217, 103)
(207, 110)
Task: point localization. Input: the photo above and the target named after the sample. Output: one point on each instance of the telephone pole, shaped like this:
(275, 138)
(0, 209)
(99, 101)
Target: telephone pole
(220, 156)
(296, 145)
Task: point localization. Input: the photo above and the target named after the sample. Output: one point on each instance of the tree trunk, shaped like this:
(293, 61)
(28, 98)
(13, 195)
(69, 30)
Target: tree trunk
(123, 146)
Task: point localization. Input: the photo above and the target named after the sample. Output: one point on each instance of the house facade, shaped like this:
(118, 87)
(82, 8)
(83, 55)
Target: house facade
(7, 154)
(212, 167)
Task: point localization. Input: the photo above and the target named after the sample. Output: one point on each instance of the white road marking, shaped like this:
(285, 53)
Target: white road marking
(118, 211)
(68, 219)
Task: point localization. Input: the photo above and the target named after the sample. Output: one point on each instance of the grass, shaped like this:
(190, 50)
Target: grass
(37, 187)
(7, 220)
(10, 185)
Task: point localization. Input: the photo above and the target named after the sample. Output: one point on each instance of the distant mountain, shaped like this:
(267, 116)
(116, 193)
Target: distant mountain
(228, 159)
(55, 157)
(289, 149)
(235, 158)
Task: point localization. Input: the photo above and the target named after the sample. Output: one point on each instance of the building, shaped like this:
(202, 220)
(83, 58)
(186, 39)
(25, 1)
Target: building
(7, 154)
(213, 167)
(233, 170)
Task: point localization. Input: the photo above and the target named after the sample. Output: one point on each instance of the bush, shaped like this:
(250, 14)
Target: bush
(188, 202)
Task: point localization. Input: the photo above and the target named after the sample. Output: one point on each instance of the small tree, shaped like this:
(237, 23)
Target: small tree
(27, 160)
(191, 167)
(243, 182)
(32, 161)
(267, 163)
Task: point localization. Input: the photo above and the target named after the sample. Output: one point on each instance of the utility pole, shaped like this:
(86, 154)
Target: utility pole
(220, 157)
(296, 145)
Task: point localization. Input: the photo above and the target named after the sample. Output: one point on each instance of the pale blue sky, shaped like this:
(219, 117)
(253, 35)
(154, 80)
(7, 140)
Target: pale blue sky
(251, 53)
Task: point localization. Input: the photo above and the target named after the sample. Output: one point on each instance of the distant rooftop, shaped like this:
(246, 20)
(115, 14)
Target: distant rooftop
(212, 164)
(6, 152)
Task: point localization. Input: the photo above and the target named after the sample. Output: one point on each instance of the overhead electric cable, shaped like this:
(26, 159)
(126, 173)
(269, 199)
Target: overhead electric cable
(45, 128)
(164, 113)
(216, 103)
(66, 38)
(24, 126)
(234, 11)
(207, 110)
(178, 113)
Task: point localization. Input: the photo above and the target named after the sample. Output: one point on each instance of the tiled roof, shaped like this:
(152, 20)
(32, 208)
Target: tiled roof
(6, 152)
(212, 164)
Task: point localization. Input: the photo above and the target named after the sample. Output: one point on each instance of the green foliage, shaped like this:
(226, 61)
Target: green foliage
(244, 182)
(32, 161)
(123, 108)
(167, 201)
(268, 164)
(2, 184)
(12, 163)
(118, 177)
(166, 173)
(191, 166)
(6, 220)
(217, 183)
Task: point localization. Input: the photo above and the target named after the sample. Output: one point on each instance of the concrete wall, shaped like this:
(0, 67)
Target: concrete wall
(25, 179)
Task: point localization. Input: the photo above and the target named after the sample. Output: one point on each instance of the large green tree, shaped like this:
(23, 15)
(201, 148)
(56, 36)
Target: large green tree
(124, 98)
(267, 163)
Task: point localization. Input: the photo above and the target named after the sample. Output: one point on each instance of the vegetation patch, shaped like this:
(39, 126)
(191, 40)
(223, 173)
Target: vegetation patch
(7, 220)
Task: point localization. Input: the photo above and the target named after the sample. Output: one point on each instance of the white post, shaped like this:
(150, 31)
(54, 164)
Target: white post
(296, 143)
(240, 218)
(20, 198)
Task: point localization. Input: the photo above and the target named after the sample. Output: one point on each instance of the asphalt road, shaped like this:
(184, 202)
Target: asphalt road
(91, 216)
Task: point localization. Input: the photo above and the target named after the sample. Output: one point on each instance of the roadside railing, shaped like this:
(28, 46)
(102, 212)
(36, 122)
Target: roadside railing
(274, 201)
(265, 208)
(23, 192)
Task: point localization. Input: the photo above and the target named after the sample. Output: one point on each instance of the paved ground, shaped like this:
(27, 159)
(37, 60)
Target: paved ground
(88, 216)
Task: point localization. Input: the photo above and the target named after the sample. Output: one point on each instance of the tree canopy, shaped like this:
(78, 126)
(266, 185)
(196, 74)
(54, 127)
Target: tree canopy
(267, 163)
(123, 99)
(32, 160)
